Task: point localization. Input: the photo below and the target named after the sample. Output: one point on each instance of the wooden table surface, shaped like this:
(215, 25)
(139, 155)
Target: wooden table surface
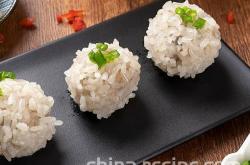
(211, 146)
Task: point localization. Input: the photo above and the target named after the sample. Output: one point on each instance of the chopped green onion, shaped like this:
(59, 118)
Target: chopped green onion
(247, 162)
(189, 15)
(199, 23)
(101, 46)
(193, 14)
(187, 19)
(5, 74)
(115, 53)
(110, 56)
(97, 58)
(1, 92)
(186, 9)
(92, 56)
(101, 56)
(179, 11)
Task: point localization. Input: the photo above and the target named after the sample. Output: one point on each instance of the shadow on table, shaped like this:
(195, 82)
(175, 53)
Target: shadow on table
(123, 125)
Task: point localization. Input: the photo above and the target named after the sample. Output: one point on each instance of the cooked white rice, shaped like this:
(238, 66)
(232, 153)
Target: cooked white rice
(25, 123)
(108, 89)
(178, 49)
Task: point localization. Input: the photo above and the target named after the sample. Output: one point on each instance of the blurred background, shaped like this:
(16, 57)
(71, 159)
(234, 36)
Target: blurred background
(44, 12)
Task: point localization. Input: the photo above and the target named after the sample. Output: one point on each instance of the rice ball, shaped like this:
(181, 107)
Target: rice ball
(25, 121)
(103, 90)
(178, 48)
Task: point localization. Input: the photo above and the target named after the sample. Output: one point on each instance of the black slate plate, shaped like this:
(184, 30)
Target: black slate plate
(166, 112)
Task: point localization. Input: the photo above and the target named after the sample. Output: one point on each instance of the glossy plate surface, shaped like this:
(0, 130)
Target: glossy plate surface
(166, 111)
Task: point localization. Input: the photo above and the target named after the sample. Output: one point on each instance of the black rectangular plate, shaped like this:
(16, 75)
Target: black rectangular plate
(166, 111)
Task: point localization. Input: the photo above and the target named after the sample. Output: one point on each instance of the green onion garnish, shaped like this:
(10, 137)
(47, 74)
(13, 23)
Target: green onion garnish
(5, 74)
(1, 92)
(110, 56)
(99, 59)
(186, 9)
(101, 56)
(92, 56)
(179, 11)
(187, 19)
(189, 15)
(199, 23)
(247, 162)
(193, 14)
(101, 46)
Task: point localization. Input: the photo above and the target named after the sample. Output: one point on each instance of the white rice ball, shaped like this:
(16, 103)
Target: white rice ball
(25, 123)
(178, 49)
(103, 91)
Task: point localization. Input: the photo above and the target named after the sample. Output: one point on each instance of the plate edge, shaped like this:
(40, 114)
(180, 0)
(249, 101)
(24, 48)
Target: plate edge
(193, 135)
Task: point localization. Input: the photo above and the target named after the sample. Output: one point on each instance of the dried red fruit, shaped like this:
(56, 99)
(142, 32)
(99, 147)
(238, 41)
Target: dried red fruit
(70, 16)
(230, 17)
(74, 18)
(27, 23)
(59, 19)
(2, 38)
(78, 24)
